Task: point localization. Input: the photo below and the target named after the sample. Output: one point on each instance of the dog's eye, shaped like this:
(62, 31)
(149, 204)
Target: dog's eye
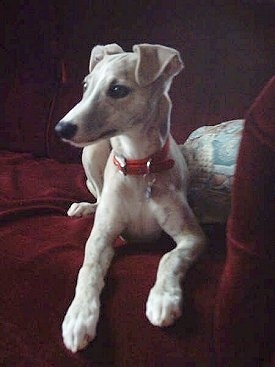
(118, 91)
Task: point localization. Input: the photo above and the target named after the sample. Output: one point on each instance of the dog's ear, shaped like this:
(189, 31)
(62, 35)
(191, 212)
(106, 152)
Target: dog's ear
(98, 52)
(155, 60)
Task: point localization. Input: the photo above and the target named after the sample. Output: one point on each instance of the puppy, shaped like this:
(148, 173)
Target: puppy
(138, 174)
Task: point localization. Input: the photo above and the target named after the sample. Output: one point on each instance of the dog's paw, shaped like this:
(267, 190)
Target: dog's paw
(81, 209)
(79, 325)
(163, 308)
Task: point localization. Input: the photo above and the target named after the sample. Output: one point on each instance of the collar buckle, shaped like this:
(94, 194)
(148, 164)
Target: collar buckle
(148, 166)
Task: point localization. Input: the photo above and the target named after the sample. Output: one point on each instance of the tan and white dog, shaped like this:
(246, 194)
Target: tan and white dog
(137, 173)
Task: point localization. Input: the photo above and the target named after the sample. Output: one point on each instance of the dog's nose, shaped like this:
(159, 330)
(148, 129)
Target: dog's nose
(65, 130)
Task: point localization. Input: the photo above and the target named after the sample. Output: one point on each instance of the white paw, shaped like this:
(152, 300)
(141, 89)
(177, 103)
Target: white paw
(163, 308)
(79, 325)
(81, 209)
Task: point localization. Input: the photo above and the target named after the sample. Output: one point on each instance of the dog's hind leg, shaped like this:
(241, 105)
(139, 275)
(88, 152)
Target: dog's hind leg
(94, 158)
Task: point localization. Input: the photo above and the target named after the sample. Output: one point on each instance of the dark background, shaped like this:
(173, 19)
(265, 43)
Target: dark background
(228, 47)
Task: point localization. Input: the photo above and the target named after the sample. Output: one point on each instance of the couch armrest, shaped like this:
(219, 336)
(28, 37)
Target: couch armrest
(244, 316)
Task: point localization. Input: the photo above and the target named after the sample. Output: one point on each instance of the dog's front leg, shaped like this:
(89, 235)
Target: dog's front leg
(94, 158)
(164, 303)
(79, 325)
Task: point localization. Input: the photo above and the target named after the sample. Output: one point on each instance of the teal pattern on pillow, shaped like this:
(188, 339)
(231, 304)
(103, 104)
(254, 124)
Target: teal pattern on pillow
(211, 154)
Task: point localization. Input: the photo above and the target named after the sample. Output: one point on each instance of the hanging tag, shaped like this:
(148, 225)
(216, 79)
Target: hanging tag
(148, 192)
(149, 189)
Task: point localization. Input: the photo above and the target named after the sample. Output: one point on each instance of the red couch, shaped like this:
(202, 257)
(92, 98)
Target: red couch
(228, 315)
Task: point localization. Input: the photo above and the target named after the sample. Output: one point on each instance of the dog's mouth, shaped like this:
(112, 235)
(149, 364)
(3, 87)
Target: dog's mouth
(82, 143)
(108, 134)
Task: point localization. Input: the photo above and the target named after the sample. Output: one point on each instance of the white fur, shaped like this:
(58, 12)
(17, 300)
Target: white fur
(139, 125)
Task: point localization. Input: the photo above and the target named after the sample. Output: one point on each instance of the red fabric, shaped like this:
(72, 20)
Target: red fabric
(244, 324)
(41, 252)
(31, 79)
(34, 89)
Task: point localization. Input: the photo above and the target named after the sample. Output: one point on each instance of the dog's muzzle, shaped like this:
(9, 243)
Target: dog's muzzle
(65, 130)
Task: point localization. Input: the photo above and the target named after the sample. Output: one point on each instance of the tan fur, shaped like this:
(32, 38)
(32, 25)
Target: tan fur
(134, 127)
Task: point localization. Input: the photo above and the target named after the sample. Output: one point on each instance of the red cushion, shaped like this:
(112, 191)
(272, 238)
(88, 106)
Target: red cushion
(244, 319)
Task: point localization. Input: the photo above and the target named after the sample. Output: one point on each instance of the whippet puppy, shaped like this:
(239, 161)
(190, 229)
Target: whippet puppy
(138, 174)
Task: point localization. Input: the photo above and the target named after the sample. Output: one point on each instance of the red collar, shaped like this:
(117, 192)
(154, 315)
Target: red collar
(155, 163)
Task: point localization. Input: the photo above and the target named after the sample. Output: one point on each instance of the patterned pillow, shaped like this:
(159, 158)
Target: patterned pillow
(211, 154)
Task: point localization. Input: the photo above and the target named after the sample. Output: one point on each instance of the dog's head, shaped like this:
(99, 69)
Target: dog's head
(121, 90)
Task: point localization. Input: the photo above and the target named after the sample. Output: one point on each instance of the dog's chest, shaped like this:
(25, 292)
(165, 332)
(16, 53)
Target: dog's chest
(141, 219)
(141, 223)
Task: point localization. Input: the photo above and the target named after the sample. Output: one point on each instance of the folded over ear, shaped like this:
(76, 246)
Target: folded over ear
(98, 52)
(154, 61)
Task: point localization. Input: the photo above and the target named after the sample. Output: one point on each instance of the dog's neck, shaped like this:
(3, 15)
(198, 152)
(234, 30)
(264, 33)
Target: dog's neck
(147, 138)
